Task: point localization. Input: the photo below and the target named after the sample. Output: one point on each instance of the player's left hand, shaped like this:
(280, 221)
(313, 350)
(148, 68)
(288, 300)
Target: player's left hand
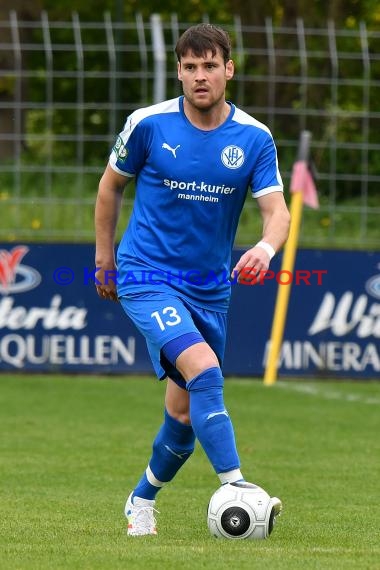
(251, 267)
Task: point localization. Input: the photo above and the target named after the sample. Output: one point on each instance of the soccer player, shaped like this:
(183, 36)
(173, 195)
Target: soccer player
(193, 159)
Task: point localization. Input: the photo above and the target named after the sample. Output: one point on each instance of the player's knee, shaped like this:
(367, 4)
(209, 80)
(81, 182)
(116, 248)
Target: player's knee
(178, 408)
(177, 404)
(209, 361)
(195, 360)
(183, 417)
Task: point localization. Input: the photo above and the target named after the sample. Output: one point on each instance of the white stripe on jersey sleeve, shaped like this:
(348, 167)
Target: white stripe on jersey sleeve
(244, 119)
(268, 190)
(169, 106)
(116, 169)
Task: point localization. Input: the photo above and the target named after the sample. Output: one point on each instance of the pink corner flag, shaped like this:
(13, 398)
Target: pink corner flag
(302, 181)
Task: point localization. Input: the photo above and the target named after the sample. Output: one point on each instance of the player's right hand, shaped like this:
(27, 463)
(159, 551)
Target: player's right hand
(106, 281)
(251, 267)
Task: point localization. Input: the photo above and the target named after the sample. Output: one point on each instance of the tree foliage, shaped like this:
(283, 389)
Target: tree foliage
(254, 63)
(253, 12)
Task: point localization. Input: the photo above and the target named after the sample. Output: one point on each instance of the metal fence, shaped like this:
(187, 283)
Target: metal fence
(67, 87)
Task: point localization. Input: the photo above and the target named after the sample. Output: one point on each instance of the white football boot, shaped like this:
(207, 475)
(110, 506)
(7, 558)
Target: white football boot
(140, 516)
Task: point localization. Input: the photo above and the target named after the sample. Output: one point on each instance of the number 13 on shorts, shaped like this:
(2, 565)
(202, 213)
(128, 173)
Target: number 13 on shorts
(169, 318)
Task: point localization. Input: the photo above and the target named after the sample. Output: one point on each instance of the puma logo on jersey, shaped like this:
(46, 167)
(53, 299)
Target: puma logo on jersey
(172, 150)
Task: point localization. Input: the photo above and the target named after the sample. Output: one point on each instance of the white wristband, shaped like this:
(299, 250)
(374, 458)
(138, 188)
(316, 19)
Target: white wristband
(267, 247)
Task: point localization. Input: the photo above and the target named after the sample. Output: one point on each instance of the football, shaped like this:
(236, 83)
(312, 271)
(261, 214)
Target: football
(242, 510)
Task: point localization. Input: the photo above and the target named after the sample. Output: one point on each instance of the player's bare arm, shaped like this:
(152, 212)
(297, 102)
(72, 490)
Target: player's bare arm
(107, 210)
(276, 222)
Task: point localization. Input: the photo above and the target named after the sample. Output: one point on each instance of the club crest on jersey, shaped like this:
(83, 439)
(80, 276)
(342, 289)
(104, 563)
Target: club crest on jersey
(120, 149)
(232, 156)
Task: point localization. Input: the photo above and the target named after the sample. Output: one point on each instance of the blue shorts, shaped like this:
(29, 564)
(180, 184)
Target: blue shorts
(162, 317)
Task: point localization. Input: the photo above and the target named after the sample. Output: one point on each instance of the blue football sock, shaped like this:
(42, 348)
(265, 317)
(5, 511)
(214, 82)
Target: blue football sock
(172, 447)
(210, 420)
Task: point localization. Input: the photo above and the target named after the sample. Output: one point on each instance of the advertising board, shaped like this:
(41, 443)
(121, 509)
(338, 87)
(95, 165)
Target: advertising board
(52, 320)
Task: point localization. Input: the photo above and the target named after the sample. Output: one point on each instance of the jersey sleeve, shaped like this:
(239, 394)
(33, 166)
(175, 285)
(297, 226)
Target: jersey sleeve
(129, 151)
(266, 177)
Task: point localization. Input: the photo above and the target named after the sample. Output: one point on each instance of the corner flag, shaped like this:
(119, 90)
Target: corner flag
(302, 181)
(303, 191)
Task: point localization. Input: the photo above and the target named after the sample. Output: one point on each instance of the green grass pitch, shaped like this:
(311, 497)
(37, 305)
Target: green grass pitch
(72, 447)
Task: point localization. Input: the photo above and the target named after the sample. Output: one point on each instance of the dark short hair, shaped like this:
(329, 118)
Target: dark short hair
(201, 38)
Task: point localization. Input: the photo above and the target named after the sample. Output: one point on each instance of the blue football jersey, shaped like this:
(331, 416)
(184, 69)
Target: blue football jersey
(191, 185)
